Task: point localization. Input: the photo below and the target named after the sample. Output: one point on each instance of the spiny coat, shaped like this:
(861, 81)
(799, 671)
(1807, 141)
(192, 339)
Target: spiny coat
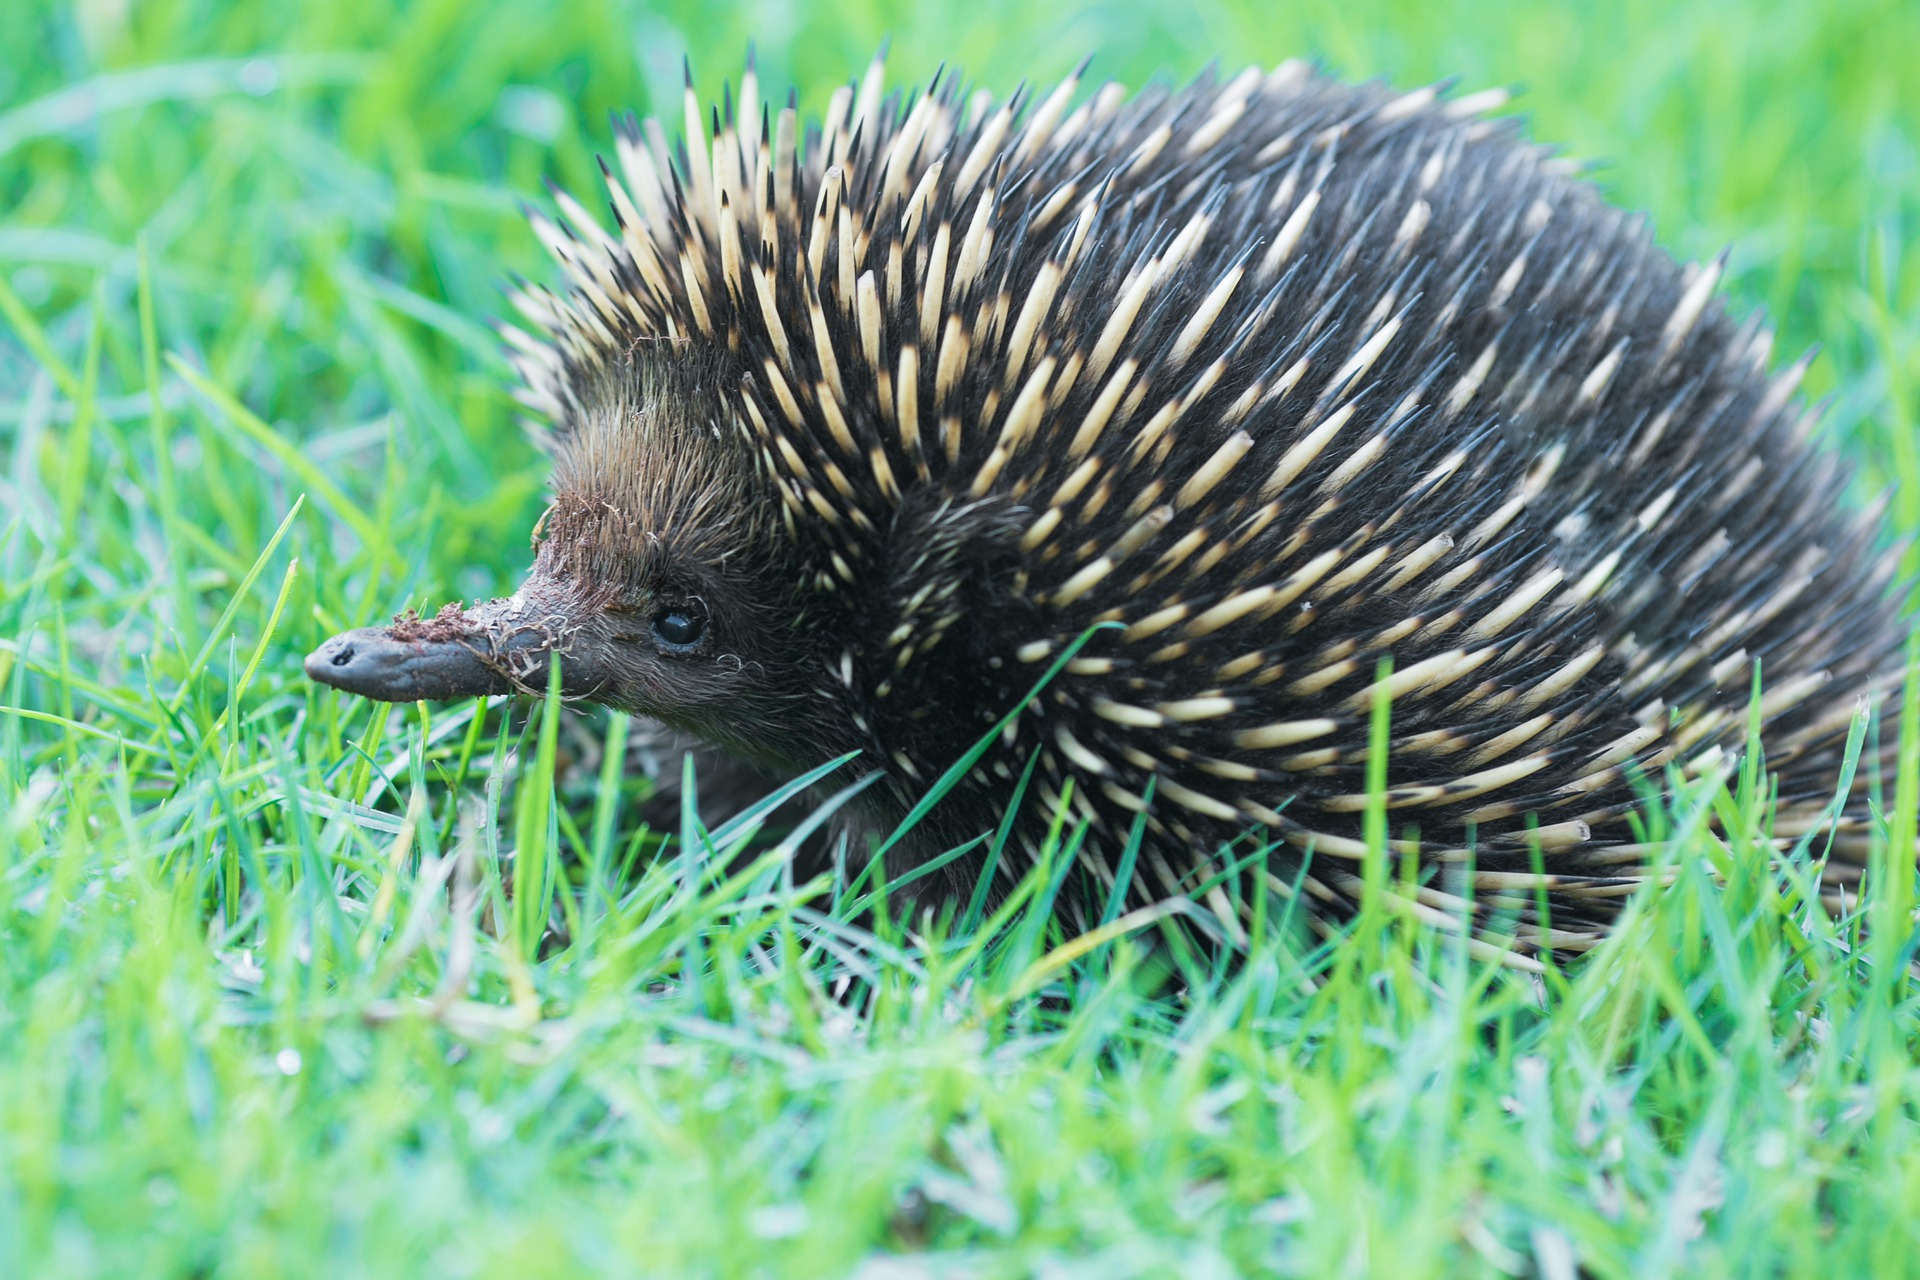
(1280, 376)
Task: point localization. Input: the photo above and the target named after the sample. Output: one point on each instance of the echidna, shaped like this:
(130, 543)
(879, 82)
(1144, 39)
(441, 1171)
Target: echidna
(1316, 393)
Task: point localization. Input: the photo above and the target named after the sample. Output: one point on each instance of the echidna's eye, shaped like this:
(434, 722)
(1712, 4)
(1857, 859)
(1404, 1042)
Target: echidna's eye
(678, 628)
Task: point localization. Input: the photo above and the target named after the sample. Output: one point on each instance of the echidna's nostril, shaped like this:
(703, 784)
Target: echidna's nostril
(343, 655)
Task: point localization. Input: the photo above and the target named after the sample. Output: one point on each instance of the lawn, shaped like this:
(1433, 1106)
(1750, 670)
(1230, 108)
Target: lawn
(293, 984)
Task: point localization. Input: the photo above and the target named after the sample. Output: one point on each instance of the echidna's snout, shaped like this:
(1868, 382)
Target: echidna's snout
(373, 663)
(457, 653)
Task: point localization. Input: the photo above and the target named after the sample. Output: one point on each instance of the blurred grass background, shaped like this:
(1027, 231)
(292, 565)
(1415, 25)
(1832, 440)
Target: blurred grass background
(248, 255)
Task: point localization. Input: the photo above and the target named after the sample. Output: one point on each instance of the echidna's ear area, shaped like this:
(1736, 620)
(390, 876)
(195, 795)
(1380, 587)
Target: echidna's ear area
(650, 473)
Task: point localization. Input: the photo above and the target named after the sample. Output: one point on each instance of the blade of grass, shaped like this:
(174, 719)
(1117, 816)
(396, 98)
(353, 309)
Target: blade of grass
(325, 491)
(240, 594)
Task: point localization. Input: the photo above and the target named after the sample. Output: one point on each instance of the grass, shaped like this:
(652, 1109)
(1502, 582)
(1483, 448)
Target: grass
(291, 984)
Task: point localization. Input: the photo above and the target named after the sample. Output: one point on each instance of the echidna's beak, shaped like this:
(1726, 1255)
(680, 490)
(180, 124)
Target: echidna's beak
(497, 647)
(374, 663)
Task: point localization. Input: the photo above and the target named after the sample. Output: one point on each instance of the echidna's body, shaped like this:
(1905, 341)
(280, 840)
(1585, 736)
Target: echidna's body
(1285, 377)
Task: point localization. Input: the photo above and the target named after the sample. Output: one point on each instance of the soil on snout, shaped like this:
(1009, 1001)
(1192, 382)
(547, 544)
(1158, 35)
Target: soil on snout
(448, 624)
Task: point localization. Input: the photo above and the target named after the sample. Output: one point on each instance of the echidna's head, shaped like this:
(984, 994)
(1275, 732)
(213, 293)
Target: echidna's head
(662, 579)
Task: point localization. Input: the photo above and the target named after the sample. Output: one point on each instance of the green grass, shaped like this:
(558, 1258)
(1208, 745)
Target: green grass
(273, 992)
